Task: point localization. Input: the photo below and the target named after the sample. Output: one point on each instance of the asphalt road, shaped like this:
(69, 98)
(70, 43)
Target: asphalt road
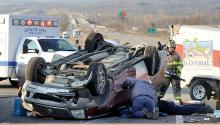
(132, 39)
(8, 94)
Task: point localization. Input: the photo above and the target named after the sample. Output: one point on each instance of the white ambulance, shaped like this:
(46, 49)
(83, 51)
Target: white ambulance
(199, 48)
(24, 37)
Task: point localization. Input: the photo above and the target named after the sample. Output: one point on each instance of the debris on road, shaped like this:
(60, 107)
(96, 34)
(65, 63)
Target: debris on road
(190, 120)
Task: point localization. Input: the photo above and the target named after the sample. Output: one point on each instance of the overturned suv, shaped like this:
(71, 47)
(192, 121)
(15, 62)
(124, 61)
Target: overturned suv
(87, 84)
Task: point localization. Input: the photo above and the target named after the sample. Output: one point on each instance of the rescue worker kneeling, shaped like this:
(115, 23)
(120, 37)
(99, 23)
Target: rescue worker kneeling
(143, 97)
(145, 101)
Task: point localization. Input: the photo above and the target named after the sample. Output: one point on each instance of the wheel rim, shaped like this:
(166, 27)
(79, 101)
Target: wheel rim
(101, 80)
(199, 92)
(98, 43)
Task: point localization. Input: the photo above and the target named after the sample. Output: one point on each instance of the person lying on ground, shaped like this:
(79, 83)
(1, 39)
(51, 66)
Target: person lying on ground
(171, 108)
(143, 97)
(145, 102)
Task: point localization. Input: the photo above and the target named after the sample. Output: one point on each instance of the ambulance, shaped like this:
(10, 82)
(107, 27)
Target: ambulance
(24, 37)
(199, 48)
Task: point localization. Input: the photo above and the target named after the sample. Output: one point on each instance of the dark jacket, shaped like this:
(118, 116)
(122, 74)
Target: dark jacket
(140, 88)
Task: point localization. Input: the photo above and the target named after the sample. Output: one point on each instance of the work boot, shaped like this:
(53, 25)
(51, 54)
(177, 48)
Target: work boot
(206, 109)
(156, 114)
(19, 91)
(209, 109)
(151, 115)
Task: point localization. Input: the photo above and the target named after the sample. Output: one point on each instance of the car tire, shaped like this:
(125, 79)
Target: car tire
(152, 60)
(93, 41)
(98, 83)
(100, 100)
(34, 69)
(199, 90)
(13, 83)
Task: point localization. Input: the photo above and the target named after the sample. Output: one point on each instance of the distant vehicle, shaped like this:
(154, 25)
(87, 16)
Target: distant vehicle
(24, 37)
(198, 46)
(65, 35)
(88, 83)
(76, 33)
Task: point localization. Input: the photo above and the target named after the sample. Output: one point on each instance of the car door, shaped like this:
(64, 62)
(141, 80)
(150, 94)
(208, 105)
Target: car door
(28, 50)
(3, 55)
(122, 96)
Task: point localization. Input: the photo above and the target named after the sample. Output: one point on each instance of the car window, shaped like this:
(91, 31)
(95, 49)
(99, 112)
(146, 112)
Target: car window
(53, 45)
(29, 45)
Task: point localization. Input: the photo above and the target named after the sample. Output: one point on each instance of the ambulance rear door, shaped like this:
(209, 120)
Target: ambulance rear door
(3, 45)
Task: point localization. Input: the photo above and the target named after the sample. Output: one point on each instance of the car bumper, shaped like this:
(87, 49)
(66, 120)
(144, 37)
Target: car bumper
(52, 102)
(58, 112)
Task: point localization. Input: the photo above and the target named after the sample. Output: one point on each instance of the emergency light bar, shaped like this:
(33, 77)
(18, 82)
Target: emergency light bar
(49, 23)
(29, 22)
(35, 23)
(42, 23)
(22, 23)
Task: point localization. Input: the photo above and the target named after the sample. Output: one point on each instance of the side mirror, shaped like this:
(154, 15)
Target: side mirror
(66, 37)
(36, 51)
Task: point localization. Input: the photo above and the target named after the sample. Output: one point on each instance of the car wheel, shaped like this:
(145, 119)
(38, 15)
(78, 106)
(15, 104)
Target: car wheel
(34, 70)
(93, 41)
(199, 90)
(98, 83)
(100, 100)
(13, 83)
(151, 59)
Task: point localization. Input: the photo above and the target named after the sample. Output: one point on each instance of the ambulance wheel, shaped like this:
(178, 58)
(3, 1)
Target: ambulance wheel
(93, 41)
(152, 60)
(34, 70)
(98, 83)
(13, 82)
(199, 90)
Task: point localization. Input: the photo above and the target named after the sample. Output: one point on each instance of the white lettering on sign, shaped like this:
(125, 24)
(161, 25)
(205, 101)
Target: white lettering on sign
(35, 31)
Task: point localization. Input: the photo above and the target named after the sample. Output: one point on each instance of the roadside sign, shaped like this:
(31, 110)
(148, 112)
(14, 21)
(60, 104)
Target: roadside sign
(151, 30)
